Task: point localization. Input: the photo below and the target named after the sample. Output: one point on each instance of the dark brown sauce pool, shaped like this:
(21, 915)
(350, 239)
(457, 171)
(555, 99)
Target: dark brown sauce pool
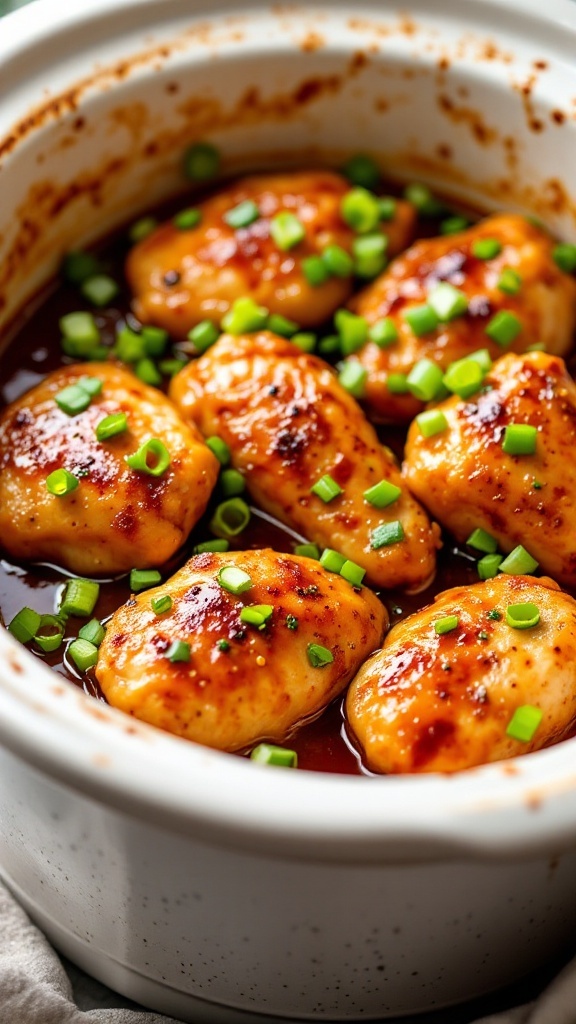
(35, 350)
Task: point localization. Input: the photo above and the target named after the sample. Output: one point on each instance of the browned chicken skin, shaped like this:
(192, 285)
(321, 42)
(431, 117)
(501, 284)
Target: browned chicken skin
(466, 480)
(428, 702)
(289, 422)
(182, 277)
(263, 683)
(117, 518)
(545, 303)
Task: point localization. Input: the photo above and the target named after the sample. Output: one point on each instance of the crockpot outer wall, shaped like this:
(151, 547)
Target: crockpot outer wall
(188, 879)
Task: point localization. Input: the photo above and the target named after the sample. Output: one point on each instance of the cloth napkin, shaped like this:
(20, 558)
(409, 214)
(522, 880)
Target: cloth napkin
(38, 987)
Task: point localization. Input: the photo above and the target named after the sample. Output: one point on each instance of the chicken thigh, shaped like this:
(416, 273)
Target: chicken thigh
(204, 671)
(467, 479)
(438, 699)
(180, 277)
(100, 515)
(291, 427)
(503, 264)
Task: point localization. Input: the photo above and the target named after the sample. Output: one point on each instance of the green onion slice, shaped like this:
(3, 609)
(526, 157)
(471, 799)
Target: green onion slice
(179, 650)
(287, 230)
(522, 616)
(422, 319)
(230, 518)
(519, 439)
(307, 551)
(60, 483)
(232, 483)
(203, 335)
(353, 573)
(524, 723)
(112, 425)
(280, 757)
(220, 544)
(219, 448)
(256, 615)
(319, 656)
(431, 422)
(201, 162)
(243, 215)
(353, 377)
(488, 566)
(152, 458)
(50, 633)
(331, 560)
(482, 541)
(244, 317)
(93, 631)
(446, 625)
(234, 580)
(326, 489)
(382, 494)
(161, 604)
(83, 654)
(519, 563)
(447, 301)
(386, 534)
(25, 625)
(80, 597)
(143, 579)
(425, 380)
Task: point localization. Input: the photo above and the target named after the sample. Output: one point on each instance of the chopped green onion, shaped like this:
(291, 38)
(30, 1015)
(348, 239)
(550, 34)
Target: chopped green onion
(77, 266)
(522, 616)
(80, 333)
(201, 162)
(486, 248)
(369, 253)
(424, 380)
(281, 325)
(187, 219)
(99, 289)
(537, 485)
(223, 645)
(152, 458)
(304, 340)
(382, 494)
(564, 256)
(50, 633)
(464, 377)
(488, 566)
(155, 340)
(519, 563)
(524, 723)
(331, 560)
(431, 422)
(219, 448)
(384, 332)
(362, 170)
(447, 301)
(329, 345)
(280, 757)
(161, 604)
(315, 271)
(360, 209)
(482, 357)
(422, 319)
(244, 316)
(338, 261)
(386, 534)
(143, 579)
(519, 439)
(482, 541)
(130, 347)
(234, 580)
(387, 207)
(352, 331)
(509, 281)
(80, 597)
(319, 656)
(446, 624)
(112, 425)
(73, 399)
(326, 489)
(142, 228)
(83, 654)
(503, 328)
(219, 544)
(423, 199)
(93, 385)
(232, 483)
(256, 615)
(353, 573)
(397, 383)
(25, 625)
(307, 551)
(203, 335)
(353, 377)
(60, 483)
(454, 225)
(495, 615)
(287, 230)
(291, 622)
(92, 631)
(170, 367)
(538, 346)
(179, 650)
(230, 518)
(147, 372)
(243, 215)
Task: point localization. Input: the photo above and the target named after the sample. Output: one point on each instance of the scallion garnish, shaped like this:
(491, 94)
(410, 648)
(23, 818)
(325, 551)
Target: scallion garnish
(423, 199)
(130, 347)
(147, 371)
(447, 301)
(50, 633)
(201, 161)
(307, 551)
(80, 597)
(25, 625)
(141, 228)
(431, 422)
(281, 325)
(230, 518)
(362, 170)
(509, 281)
(179, 650)
(187, 219)
(338, 261)
(486, 248)
(464, 377)
(203, 335)
(219, 448)
(425, 380)
(83, 654)
(244, 317)
(518, 563)
(81, 335)
(386, 534)
(331, 560)
(384, 332)
(73, 399)
(92, 631)
(287, 230)
(422, 319)
(397, 383)
(453, 225)
(482, 541)
(326, 489)
(524, 723)
(243, 215)
(161, 604)
(256, 615)
(369, 253)
(352, 331)
(360, 209)
(503, 328)
(219, 544)
(234, 580)
(304, 340)
(382, 494)
(488, 566)
(446, 625)
(522, 616)
(387, 206)
(112, 425)
(60, 483)
(319, 656)
(353, 377)
(100, 289)
(353, 573)
(78, 265)
(564, 256)
(315, 271)
(232, 483)
(280, 757)
(152, 458)
(519, 439)
(143, 579)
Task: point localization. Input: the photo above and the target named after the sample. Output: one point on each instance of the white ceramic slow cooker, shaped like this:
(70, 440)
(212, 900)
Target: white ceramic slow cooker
(203, 885)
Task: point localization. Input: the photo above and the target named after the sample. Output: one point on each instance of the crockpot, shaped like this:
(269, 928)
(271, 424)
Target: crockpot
(198, 883)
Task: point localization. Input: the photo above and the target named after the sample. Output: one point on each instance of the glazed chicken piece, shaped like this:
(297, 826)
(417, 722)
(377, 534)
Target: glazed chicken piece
(236, 682)
(467, 480)
(544, 303)
(289, 423)
(180, 277)
(115, 517)
(441, 702)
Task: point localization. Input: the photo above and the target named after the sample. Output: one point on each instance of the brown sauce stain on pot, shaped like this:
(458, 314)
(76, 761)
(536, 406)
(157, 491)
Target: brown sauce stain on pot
(525, 89)
(460, 113)
(312, 42)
